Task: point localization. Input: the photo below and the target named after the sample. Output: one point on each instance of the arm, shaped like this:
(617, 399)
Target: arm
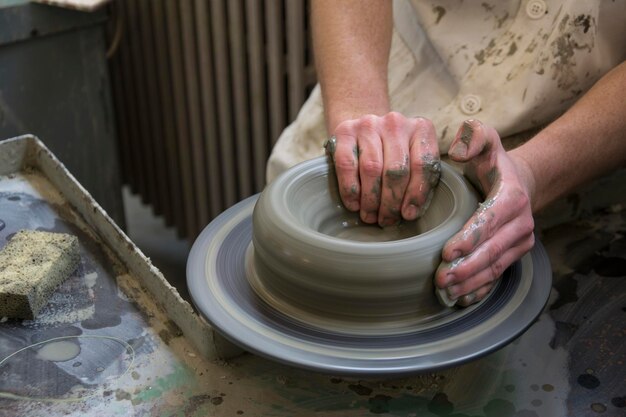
(586, 142)
(352, 40)
(386, 164)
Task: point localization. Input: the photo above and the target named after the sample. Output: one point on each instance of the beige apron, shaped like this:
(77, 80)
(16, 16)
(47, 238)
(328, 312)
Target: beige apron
(515, 65)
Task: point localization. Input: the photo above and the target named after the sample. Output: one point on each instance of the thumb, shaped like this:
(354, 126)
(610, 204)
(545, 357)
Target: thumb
(472, 139)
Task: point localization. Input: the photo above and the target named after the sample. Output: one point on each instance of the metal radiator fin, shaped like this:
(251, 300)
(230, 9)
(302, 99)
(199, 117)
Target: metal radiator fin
(203, 88)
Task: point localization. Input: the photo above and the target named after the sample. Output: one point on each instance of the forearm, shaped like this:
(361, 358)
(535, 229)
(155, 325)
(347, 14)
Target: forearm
(586, 142)
(351, 41)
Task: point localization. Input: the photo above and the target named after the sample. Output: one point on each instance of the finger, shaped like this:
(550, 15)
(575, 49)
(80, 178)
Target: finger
(463, 300)
(472, 139)
(490, 274)
(425, 168)
(396, 168)
(489, 255)
(500, 208)
(480, 146)
(475, 296)
(346, 165)
(370, 150)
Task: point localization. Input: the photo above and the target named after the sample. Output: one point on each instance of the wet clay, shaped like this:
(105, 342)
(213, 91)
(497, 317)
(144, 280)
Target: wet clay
(275, 319)
(354, 229)
(310, 256)
(59, 351)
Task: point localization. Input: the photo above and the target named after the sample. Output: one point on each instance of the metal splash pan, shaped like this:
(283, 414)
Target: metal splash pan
(115, 315)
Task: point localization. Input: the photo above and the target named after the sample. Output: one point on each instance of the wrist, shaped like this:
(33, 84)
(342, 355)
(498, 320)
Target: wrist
(527, 178)
(335, 119)
(350, 108)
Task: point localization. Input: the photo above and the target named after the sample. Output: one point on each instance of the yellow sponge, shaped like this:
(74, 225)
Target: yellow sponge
(32, 265)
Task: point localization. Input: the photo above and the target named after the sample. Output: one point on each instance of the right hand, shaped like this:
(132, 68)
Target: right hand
(501, 230)
(387, 166)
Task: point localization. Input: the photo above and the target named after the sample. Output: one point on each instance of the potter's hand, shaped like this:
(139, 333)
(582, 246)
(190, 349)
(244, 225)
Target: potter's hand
(501, 230)
(387, 167)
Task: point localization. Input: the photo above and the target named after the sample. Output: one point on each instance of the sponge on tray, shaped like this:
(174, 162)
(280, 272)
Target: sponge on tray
(32, 265)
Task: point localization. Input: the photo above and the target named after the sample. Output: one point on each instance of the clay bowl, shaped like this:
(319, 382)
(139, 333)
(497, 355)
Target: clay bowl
(317, 263)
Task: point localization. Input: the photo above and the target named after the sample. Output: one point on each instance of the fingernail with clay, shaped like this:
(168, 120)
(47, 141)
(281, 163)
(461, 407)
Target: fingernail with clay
(389, 221)
(410, 212)
(467, 131)
(443, 298)
(468, 298)
(452, 292)
(459, 150)
(448, 279)
(352, 205)
(455, 256)
(370, 218)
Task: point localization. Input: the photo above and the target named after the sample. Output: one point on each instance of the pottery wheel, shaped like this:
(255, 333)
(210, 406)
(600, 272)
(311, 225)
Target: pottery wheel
(216, 275)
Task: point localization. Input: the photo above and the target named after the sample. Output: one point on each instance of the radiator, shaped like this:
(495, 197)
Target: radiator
(202, 90)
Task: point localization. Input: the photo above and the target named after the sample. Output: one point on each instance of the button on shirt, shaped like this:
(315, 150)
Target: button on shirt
(515, 65)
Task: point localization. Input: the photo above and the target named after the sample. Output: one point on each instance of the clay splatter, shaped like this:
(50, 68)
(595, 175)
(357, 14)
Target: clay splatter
(566, 287)
(500, 20)
(121, 395)
(571, 39)
(440, 405)
(379, 404)
(360, 389)
(165, 336)
(376, 187)
(431, 170)
(611, 267)
(588, 381)
(399, 173)
(619, 402)
(467, 130)
(483, 54)
(598, 407)
(195, 402)
(499, 408)
(331, 146)
(59, 351)
(480, 57)
(440, 12)
(584, 21)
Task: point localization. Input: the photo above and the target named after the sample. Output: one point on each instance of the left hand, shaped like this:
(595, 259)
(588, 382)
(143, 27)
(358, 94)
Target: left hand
(501, 230)
(387, 166)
